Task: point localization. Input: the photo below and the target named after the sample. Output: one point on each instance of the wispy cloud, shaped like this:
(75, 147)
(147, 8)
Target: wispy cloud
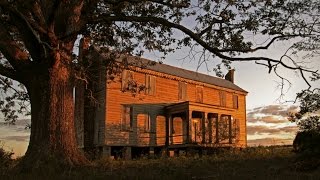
(276, 110)
(260, 129)
(269, 142)
(269, 123)
(17, 138)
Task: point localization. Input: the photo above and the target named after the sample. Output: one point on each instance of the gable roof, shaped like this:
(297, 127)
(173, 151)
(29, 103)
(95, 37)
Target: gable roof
(183, 73)
(175, 71)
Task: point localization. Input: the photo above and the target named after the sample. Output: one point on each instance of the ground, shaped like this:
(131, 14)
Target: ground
(251, 163)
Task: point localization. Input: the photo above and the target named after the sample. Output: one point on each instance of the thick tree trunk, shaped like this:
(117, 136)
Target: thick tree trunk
(52, 120)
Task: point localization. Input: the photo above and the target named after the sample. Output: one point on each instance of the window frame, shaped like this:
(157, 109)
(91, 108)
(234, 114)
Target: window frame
(126, 76)
(223, 98)
(235, 100)
(197, 92)
(150, 85)
(182, 91)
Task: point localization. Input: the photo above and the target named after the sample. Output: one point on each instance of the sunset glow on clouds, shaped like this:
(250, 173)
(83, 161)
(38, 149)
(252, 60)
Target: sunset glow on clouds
(269, 125)
(15, 137)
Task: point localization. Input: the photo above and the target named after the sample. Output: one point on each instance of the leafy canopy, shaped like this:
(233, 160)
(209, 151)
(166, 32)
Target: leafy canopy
(33, 31)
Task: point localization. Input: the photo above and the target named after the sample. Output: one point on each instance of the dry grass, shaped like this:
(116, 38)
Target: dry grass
(250, 163)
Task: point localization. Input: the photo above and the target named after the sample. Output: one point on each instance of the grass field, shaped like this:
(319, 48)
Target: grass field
(251, 163)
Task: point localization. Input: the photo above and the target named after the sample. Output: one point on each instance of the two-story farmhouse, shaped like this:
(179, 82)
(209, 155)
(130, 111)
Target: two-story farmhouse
(177, 109)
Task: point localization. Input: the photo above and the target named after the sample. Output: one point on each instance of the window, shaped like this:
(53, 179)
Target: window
(222, 96)
(182, 91)
(126, 118)
(127, 80)
(235, 102)
(199, 94)
(150, 85)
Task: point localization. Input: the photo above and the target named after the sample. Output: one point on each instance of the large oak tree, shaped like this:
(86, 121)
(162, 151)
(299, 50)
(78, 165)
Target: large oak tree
(37, 39)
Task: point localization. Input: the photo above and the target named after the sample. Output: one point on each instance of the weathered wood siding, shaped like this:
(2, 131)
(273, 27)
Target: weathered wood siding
(166, 92)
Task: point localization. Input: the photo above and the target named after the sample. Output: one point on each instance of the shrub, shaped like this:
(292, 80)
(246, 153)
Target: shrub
(6, 160)
(307, 141)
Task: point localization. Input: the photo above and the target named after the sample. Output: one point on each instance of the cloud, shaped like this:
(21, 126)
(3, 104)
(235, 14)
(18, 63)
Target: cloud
(19, 126)
(269, 119)
(24, 138)
(261, 129)
(272, 114)
(269, 142)
(276, 110)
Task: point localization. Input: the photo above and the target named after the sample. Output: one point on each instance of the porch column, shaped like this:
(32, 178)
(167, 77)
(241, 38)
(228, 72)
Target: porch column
(171, 129)
(185, 125)
(106, 151)
(167, 134)
(133, 133)
(153, 130)
(204, 126)
(189, 114)
(217, 128)
(127, 153)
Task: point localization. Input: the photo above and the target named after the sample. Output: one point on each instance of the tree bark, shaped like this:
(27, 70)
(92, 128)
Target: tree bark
(52, 119)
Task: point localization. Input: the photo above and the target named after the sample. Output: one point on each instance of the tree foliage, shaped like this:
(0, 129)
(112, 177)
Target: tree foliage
(37, 40)
(308, 117)
(308, 121)
(217, 29)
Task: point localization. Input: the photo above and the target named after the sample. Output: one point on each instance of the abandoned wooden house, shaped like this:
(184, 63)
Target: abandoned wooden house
(178, 109)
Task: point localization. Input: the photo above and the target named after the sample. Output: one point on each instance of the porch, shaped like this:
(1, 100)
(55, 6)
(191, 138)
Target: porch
(190, 124)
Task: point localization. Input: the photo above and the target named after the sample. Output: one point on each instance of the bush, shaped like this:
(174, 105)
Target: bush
(307, 141)
(6, 160)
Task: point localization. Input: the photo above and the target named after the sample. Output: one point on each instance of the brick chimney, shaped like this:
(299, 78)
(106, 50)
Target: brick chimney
(230, 75)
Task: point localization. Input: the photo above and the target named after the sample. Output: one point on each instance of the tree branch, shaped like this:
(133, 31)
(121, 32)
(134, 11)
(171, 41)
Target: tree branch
(261, 47)
(30, 38)
(18, 58)
(196, 38)
(8, 72)
(170, 4)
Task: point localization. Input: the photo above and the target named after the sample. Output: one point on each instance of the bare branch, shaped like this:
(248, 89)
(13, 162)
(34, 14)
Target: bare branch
(170, 4)
(262, 47)
(196, 38)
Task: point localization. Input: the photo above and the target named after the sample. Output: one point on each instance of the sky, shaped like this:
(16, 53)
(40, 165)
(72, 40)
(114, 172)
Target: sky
(267, 122)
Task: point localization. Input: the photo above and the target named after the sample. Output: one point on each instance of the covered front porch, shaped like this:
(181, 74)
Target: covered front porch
(196, 124)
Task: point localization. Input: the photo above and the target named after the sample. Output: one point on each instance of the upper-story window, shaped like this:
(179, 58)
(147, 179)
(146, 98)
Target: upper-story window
(150, 84)
(199, 94)
(235, 102)
(222, 96)
(182, 96)
(127, 80)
